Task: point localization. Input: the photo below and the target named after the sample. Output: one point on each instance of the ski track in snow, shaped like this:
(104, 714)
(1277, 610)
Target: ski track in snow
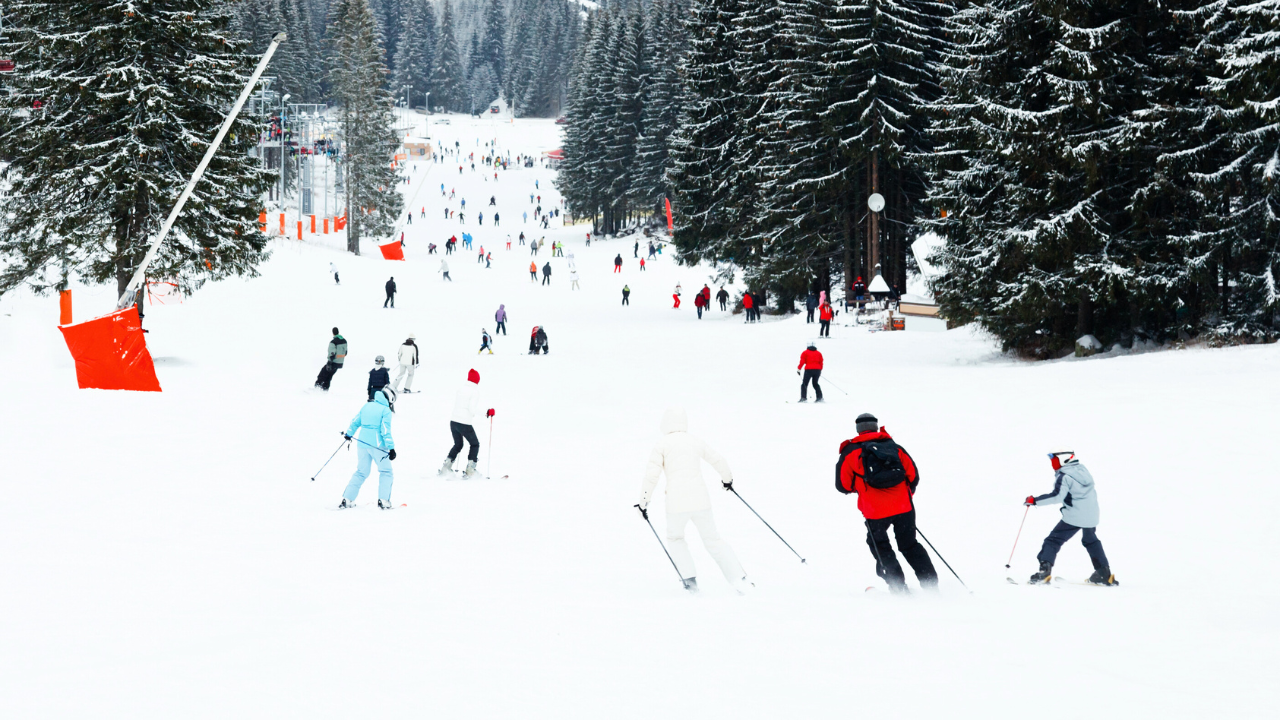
(165, 554)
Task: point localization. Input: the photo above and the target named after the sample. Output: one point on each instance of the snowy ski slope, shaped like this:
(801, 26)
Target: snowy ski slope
(166, 556)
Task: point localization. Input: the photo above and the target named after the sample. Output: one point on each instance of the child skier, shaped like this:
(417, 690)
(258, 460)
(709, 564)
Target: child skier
(372, 429)
(485, 342)
(1073, 487)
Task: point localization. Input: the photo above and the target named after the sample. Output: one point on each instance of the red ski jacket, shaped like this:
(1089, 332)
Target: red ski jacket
(825, 313)
(810, 360)
(876, 503)
(746, 301)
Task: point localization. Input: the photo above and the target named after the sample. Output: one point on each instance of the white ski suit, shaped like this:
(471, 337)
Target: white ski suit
(408, 356)
(679, 455)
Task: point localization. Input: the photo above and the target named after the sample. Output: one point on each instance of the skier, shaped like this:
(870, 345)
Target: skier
(409, 218)
(334, 269)
(336, 355)
(679, 456)
(749, 306)
(723, 297)
(825, 314)
(617, 263)
(444, 268)
(810, 304)
(885, 478)
(493, 201)
(676, 297)
(811, 362)
(698, 302)
(546, 274)
(371, 427)
(408, 356)
(626, 295)
(1073, 487)
(538, 344)
(465, 403)
(860, 293)
(501, 318)
(635, 251)
(522, 238)
(533, 271)
(706, 297)
(496, 218)
(573, 280)
(485, 342)
(379, 376)
(641, 264)
(391, 294)
(652, 250)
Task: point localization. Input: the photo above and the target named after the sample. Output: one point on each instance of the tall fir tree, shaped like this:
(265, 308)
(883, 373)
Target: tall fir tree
(664, 49)
(358, 76)
(416, 51)
(130, 97)
(447, 87)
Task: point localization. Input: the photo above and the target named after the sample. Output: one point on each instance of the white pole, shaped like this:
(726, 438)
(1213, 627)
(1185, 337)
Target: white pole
(134, 283)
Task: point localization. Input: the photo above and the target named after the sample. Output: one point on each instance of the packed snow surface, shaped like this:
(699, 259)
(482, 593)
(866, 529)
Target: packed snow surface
(166, 555)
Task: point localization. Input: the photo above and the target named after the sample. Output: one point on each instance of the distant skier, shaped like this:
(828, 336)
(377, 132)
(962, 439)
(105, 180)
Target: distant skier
(501, 318)
(811, 363)
(408, 357)
(573, 280)
(679, 456)
(723, 297)
(885, 478)
(391, 294)
(652, 250)
(533, 271)
(1073, 487)
(635, 251)
(626, 295)
(444, 268)
(546, 274)
(749, 305)
(337, 354)
(810, 304)
(371, 427)
(493, 200)
(676, 296)
(698, 303)
(379, 376)
(706, 297)
(825, 314)
(465, 404)
(408, 218)
(334, 269)
(617, 263)
(538, 344)
(486, 342)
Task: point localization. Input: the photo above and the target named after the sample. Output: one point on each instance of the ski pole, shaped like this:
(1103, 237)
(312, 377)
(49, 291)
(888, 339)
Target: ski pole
(944, 560)
(828, 381)
(326, 462)
(645, 515)
(1019, 535)
(766, 524)
(488, 463)
(375, 447)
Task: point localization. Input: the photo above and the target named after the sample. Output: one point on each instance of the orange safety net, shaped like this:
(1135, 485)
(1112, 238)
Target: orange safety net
(111, 352)
(392, 251)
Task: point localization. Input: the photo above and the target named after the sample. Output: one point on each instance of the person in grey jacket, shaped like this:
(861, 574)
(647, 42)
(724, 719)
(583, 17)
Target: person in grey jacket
(1073, 487)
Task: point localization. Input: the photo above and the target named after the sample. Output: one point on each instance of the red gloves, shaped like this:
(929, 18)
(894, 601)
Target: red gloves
(1031, 500)
(490, 413)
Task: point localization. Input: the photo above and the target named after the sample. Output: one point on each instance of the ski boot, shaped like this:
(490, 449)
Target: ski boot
(385, 504)
(1102, 575)
(803, 400)
(1044, 576)
(447, 468)
(345, 504)
(471, 471)
(742, 585)
(691, 584)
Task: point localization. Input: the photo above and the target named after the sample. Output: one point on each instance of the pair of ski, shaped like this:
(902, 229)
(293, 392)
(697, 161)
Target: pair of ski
(1061, 581)
(459, 475)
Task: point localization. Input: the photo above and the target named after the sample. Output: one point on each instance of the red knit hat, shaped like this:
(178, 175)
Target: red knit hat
(473, 376)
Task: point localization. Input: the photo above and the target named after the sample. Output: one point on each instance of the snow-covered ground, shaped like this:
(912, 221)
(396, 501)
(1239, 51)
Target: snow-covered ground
(165, 555)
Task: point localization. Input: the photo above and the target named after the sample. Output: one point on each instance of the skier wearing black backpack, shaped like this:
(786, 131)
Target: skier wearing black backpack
(885, 477)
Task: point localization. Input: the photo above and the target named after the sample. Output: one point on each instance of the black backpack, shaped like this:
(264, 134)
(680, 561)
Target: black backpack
(881, 466)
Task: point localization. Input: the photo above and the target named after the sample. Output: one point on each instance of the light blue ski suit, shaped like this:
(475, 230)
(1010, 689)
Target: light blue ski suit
(373, 426)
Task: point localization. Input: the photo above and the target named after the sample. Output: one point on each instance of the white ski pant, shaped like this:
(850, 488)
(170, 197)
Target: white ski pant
(408, 384)
(716, 546)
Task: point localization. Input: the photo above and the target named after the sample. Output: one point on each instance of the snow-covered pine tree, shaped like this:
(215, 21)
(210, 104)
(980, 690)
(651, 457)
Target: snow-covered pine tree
(447, 88)
(627, 84)
(357, 75)
(493, 38)
(254, 23)
(131, 97)
(664, 48)
(416, 50)
(581, 178)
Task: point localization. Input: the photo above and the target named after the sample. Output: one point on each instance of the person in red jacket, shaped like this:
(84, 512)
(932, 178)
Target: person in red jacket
(811, 363)
(747, 305)
(825, 314)
(699, 302)
(885, 478)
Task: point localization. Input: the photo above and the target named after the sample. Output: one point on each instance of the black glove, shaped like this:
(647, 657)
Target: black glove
(728, 486)
(643, 512)
(797, 371)
(391, 455)
(346, 437)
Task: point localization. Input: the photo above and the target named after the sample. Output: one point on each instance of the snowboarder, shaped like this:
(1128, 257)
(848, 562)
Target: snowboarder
(885, 478)
(485, 342)
(501, 318)
(679, 456)
(379, 376)
(444, 268)
(538, 344)
(810, 304)
(626, 295)
(408, 356)
(336, 355)
(334, 269)
(723, 297)
(371, 427)
(825, 314)
(465, 404)
(391, 294)
(1073, 487)
(811, 362)
(617, 263)
(546, 274)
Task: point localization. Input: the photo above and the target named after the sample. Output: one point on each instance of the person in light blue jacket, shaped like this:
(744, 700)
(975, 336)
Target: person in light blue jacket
(372, 430)
(1073, 487)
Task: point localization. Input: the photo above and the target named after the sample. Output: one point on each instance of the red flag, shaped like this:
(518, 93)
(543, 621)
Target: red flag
(392, 251)
(670, 226)
(111, 352)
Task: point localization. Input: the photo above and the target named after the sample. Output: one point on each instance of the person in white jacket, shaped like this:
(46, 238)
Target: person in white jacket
(679, 456)
(408, 356)
(465, 405)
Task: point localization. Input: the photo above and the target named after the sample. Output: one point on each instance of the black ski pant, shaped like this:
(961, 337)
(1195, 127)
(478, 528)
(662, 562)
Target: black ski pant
(391, 298)
(626, 300)
(502, 327)
(464, 432)
(904, 531)
(326, 374)
(809, 318)
(723, 305)
(804, 384)
(825, 330)
(546, 279)
(336, 281)
(1063, 532)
